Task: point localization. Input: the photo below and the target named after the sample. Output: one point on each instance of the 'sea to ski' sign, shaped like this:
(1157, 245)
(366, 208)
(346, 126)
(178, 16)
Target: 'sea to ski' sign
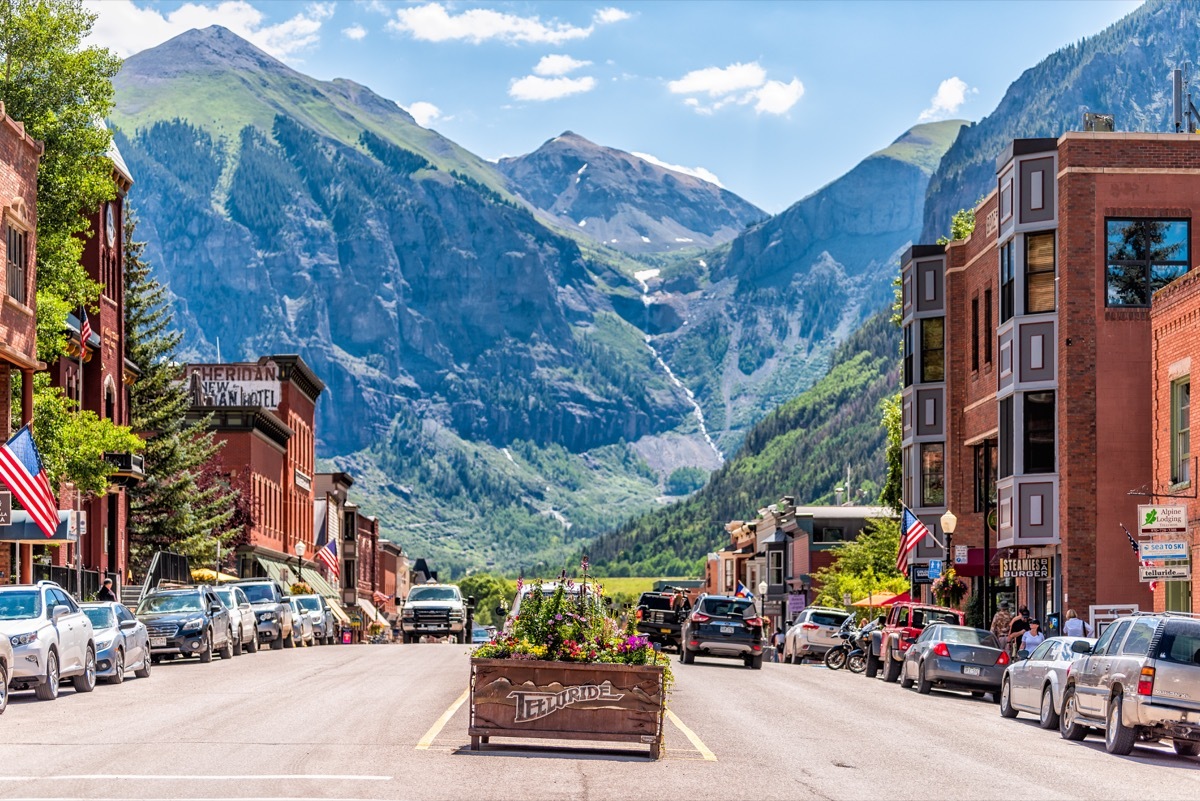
(535, 705)
(1163, 549)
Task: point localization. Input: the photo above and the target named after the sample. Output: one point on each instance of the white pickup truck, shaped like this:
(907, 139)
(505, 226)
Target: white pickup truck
(436, 610)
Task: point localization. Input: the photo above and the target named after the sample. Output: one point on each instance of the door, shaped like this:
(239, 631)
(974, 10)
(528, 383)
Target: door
(72, 633)
(137, 644)
(1025, 678)
(1090, 686)
(221, 622)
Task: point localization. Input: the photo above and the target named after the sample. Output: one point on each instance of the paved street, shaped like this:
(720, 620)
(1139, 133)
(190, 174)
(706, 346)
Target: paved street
(362, 722)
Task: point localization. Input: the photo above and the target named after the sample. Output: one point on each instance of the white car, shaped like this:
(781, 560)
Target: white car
(241, 617)
(6, 664)
(813, 632)
(51, 639)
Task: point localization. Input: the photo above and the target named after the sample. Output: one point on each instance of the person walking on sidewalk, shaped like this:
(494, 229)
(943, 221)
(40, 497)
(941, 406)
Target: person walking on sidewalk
(1076, 626)
(1000, 624)
(1017, 629)
(106, 591)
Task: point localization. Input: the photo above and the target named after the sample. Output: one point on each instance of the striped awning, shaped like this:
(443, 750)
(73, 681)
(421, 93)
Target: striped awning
(370, 610)
(338, 611)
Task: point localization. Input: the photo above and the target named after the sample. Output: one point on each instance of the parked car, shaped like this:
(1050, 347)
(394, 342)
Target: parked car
(660, 617)
(955, 658)
(273, 612)
(480, 635)
(241, 613)
(723, 626)
(318, 611)
(189, 621)
(813, 632)
(1140, 680)
(905, 622)
(1034, 682)
(51, 639)
(122, 641)
(302, 628)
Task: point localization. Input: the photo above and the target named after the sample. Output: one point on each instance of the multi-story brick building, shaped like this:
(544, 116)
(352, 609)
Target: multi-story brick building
(1175, 323)
(1027, 359)
(19, 156)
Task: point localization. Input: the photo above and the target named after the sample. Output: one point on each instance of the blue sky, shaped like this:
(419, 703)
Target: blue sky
(774, 99)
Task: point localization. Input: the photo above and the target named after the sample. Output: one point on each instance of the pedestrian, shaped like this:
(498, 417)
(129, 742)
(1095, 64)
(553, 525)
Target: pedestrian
(1017, 629)
(1034, 637)
(777, 641)
(106, 591)
(1000, 623)
(1076, 626)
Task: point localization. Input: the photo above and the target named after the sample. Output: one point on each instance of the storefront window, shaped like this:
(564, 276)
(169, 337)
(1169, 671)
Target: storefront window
(933, 480)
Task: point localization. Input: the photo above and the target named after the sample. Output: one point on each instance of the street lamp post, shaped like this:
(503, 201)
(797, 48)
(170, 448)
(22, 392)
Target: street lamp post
(949, 522)
(300, 549)
(762, 601)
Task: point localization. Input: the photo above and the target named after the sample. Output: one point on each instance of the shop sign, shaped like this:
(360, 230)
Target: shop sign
(920, 574)
(1165, 572)
(1162, 521)
(5, 508)
(1037, 567)
(795, 604)
(1163, 549)
(247, 384)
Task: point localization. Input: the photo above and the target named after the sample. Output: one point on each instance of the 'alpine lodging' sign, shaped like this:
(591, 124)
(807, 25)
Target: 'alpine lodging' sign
(1162, 521)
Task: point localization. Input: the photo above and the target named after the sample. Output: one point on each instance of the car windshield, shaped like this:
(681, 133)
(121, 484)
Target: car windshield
(175, 602)
(1180, 642)
(726, 607)
(959, 636)
(227, 598)
(20, 604)
(655, 601)
(433, 594)
(102, 617)
(309, 604)
(258, 593)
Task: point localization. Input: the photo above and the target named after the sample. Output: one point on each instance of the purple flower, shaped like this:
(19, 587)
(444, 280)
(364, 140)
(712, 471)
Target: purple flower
(558, 617)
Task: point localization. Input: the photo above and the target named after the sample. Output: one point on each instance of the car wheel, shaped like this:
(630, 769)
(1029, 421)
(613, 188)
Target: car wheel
(687, 656)
(144, 671)
(891, 669)
(924, 685)
(1069, 727)
(1006, 707)
(905, 681)
(85, 682)
(1182, 747)
(118, 675)
(48, 690)
(872, 665)
(290, 640)
(3, 688)
(1048, 717)
(206, 648)
(227, 649)
(278, 643)
(1119, 739)
(252, 646)
(237, 644)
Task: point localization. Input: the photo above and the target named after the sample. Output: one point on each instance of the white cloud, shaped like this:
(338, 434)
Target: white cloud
(951, 94)
(558, 65)
(533, 87)
(606, 16)
(128, 28)
(424, 113)
(717, 81)
(355, 32)
(433, 23)
(738, 84)
(696, 172)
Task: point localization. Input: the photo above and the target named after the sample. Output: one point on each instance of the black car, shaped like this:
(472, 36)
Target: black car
(723, 626)
(660, 617)
(190, 621)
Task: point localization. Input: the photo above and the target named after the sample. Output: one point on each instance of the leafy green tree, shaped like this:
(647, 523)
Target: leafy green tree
(488, 591)
(962, 225)
(862, 566)
(891, 495)
(684, 480)
(186, 503)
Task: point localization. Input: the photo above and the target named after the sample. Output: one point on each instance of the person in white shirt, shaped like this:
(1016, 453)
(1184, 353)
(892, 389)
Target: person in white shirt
(1076, 626)
(1034, 637)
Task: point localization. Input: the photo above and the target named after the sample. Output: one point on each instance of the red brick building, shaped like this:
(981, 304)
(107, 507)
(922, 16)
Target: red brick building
(1027, 358)
(19, 156)
(1175, 323)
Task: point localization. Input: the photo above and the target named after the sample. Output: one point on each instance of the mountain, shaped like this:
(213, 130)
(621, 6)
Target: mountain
(804, 448)
(750, 325)
(624, 201)
(1123, 71)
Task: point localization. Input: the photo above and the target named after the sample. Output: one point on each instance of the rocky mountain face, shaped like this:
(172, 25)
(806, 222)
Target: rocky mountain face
(1123, 71)
(623, 201)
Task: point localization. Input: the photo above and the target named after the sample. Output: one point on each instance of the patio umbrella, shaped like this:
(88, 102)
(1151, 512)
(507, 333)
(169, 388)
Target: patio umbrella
(876, 599)
(207, 574)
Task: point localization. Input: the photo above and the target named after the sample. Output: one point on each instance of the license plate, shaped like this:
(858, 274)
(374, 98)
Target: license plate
(968, 670)
(158, 642)
(665, 631)
(727, 629)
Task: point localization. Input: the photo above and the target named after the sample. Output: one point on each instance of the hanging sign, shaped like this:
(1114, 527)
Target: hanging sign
(1165, 572)
(1037, 567)
(1163, 549)
(1162, 521)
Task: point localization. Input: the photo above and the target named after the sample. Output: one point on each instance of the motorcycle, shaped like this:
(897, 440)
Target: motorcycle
(851, 653)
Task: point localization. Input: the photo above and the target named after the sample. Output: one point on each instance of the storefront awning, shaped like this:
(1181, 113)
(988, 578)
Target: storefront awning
(370, 610)
(338, 611)
(274, 569)
(320, 586)
(23, 529)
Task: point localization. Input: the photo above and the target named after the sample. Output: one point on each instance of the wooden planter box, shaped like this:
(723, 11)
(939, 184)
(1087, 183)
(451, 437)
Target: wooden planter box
(567, 701)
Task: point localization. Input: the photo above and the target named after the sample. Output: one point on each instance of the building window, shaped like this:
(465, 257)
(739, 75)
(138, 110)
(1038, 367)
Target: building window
(1181, 425)
(974, 333)
(908, 355)
(1005, 467)
(1039, 273)
(16, 262)
(933, 480)
(828, 534)
(775, 569)
(1144, 256)
(989, 331)
(1007, 282)
(728, 575)
(1039, 432)
(1179, 596)
(908, 490)
(984, 453)
(933, 349)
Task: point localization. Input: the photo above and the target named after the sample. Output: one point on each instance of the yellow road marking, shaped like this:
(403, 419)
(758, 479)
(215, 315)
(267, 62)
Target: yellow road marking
(697, 743)
(436, 729)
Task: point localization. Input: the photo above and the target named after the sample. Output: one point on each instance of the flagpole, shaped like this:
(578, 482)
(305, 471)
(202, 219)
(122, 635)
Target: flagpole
(78, 498)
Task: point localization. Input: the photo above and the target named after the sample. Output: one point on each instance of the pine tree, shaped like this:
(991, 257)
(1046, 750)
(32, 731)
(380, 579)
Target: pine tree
(186, 503)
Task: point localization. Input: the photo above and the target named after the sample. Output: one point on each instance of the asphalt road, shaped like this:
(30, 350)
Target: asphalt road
(364, 722)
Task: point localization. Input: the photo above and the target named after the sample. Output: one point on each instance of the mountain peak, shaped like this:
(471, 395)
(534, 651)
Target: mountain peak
(203, 50)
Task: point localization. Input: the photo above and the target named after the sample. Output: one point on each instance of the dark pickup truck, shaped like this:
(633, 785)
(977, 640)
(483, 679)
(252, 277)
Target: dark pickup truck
(660, 617)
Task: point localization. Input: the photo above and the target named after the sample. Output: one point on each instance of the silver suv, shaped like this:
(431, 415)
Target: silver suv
(1140, 681)
(51, 639)
(813, 632)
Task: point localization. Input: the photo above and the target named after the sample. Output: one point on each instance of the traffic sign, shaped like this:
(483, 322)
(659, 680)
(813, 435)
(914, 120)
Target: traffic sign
(1162, 521)
(960, 554)
(935, 569)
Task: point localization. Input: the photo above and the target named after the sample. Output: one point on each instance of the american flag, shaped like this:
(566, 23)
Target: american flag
(1137, 551)
(21, 470)
(328, 557)
(912, 531)
(85, 328)
(382, 598)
